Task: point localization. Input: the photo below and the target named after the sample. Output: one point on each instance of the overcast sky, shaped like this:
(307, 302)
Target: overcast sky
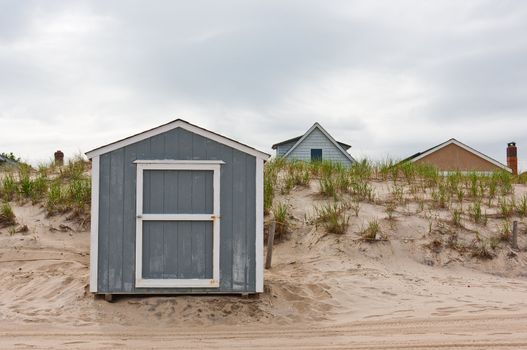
(388, 77)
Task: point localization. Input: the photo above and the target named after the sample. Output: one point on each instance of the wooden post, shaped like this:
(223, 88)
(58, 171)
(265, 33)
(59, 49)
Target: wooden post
(270, 241)
(514, 238)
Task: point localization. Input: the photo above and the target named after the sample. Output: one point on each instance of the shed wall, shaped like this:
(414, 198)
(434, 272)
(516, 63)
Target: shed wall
(117, 200)
(452, 158)
(318, 140)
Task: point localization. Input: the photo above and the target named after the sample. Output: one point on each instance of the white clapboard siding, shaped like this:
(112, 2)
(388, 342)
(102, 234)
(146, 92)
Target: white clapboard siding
(318, 140)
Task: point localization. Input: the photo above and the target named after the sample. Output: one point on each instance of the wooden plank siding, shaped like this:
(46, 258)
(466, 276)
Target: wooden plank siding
(117, 197)
(318, 140)
(454, 158)
(281, 150)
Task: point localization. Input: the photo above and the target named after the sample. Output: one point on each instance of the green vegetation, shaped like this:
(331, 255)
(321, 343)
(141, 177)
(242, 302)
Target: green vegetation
(505, 231)
(390, 209)
(467, 196)
(521, 206)
(7, 216)
(271, 170)
(370, 233)
(456, 217)
(9, 188)
(328, 186)
(475, 212)
(506, 207)
(58, 189)
(332, 216)
(481, 248)
(280, 214)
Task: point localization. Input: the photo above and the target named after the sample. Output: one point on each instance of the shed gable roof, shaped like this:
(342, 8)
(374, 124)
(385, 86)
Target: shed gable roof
(326, 134)
(178, 123)
(431, 150)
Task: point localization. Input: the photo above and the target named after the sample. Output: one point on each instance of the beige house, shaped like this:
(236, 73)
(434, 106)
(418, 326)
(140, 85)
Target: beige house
(453, 155)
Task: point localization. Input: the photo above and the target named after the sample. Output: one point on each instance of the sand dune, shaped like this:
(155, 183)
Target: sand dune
(323, 291)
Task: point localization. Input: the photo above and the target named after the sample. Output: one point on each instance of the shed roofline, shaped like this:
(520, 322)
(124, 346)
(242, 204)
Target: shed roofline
(418, 156)
(178, 123)
(330, 138)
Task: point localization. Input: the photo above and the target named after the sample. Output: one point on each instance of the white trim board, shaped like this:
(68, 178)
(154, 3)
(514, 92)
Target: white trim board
(466, 148)
(259, 237)
(94, 227)
(176, 161)
(214, 166)
(178, 123)
(329, 137)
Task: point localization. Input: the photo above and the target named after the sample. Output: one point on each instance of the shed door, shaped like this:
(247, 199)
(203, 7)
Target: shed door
(178, 230)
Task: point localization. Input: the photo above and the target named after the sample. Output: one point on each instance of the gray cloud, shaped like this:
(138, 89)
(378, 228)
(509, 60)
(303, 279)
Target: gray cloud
(389, 77)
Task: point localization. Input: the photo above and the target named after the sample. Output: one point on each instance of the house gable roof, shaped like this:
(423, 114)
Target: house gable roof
(345, 146)
(329, 137)
(431, 150)
(178, 123)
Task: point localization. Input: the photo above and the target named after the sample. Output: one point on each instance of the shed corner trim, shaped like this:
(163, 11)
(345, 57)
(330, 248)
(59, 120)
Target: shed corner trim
(94, 231)
(259, 226)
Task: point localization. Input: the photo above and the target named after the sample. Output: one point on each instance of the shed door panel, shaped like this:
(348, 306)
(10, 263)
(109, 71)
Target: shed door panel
(177, 249)
(178, 224)
(177, 192)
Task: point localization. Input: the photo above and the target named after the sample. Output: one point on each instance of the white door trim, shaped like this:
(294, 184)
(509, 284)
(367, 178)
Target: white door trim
(94, 229)
(143, 165)
(259, 225)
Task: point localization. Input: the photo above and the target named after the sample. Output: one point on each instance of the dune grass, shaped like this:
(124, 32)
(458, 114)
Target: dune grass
(466, 196)
(7, 216)
(456, 217)
(482, 249)
(60, 189)
(9, 187)
(332, 216)
(521, 206)
(372, 231)
(505, 231)
(280, 214)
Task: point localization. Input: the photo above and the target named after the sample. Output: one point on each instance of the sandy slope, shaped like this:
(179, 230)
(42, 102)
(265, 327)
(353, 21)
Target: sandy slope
(324, 291)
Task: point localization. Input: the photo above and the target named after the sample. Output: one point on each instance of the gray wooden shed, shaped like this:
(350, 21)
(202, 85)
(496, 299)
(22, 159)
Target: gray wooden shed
(177, 209)
(315, 144)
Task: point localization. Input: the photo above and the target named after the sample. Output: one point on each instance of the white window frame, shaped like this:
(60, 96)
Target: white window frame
(168, 164)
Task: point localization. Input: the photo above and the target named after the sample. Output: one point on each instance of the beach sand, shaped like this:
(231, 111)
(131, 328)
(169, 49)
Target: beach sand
(323, 291)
